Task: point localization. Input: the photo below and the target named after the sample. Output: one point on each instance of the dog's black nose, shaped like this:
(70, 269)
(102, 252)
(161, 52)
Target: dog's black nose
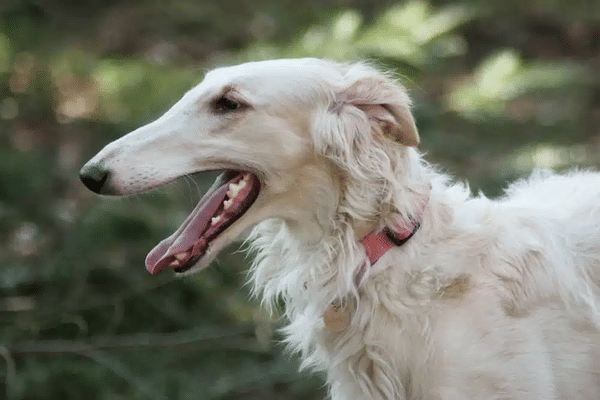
(94, 177)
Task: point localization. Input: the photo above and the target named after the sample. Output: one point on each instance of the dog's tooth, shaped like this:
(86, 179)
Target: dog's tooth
(216, 219)
(175, 263)
(227, 204)
(181, 256)
(245, 177)
(234, 188)
(241, 185)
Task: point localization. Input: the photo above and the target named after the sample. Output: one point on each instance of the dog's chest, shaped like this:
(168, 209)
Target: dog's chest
(368, 341)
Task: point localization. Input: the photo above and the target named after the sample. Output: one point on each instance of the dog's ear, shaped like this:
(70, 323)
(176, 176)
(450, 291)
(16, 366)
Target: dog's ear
(384, 102)
(365, 109)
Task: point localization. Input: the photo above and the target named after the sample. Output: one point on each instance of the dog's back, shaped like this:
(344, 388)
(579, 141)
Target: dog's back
(529, 328)
(570, 206)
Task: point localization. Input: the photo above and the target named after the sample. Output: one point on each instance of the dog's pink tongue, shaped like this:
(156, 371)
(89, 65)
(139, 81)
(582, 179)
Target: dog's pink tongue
(189, 232)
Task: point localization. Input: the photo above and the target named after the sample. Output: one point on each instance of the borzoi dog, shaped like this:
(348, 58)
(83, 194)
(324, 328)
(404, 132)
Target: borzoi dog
(397, 283)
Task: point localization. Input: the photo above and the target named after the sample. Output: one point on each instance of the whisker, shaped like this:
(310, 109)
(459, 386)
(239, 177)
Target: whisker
(188, 178)
(178, 187)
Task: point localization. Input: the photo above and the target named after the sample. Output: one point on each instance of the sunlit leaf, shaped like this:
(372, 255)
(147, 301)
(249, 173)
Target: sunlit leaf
(346, 24)
(493, 74)
(443, 21)
(5, 53)
(410, 16)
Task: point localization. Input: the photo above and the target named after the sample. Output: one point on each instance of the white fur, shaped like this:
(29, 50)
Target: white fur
(488, 300)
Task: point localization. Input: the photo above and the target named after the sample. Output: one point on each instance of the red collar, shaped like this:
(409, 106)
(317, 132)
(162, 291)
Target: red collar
(377, 243)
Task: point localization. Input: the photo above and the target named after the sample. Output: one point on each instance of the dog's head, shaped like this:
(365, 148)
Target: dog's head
(298, 140)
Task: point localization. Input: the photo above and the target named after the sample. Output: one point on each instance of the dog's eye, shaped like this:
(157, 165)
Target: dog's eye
(224, 104)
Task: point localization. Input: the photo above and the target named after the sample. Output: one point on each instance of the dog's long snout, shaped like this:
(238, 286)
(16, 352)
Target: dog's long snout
(96, 178)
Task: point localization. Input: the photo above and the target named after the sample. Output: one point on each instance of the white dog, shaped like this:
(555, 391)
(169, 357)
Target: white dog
(397, 283)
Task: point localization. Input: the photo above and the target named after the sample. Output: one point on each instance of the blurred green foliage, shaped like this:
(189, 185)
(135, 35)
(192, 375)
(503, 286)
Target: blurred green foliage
(499, 89)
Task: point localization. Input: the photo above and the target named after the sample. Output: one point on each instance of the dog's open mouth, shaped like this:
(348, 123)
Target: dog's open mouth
(226, 201)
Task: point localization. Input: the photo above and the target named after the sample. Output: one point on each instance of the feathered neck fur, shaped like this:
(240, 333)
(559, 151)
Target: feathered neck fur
(311, 268)
(320, 260)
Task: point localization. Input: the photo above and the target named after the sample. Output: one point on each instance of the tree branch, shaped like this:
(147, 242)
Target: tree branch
(234, 339)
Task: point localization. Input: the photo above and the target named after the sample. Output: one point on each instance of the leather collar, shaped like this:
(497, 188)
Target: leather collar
(377, 243)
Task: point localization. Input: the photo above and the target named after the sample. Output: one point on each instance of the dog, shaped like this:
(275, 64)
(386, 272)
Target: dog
(397, 281)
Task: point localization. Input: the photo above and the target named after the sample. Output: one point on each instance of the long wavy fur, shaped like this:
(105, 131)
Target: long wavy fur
(511, 263)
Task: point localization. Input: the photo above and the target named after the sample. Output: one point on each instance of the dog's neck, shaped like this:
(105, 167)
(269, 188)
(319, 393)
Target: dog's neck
(325, 250)
(363, 228)
(379, 241)
(322, 258)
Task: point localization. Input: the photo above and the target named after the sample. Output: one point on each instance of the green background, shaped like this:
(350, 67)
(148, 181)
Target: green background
(500, 88)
